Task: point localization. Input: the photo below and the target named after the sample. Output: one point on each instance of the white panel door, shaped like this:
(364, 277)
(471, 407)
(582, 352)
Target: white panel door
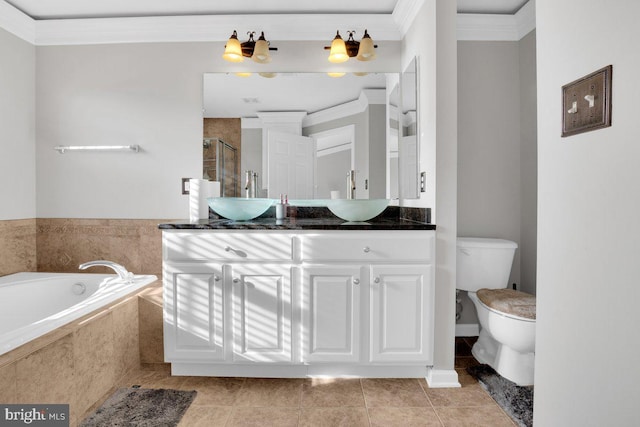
(331, 313)
(261, 313)
(290, 165)
(194, 320)
(402, 313)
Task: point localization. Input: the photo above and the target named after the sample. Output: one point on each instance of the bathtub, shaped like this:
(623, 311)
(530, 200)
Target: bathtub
(32, 304)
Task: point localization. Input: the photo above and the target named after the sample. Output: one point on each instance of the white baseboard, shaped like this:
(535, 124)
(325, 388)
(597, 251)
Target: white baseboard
(442, 378)
(467, 330)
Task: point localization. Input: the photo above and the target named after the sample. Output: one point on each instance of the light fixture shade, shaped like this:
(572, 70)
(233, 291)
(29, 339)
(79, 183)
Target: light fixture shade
(338, 51)
(233, 49)
(367, 51)
(261, 51)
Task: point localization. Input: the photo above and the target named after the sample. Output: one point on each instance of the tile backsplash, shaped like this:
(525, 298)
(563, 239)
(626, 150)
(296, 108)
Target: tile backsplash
(17, 246)
(64, 243)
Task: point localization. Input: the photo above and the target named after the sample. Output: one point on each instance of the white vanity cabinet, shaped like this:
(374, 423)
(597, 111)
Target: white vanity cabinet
(261, 313)
(297, 303)
(332, 309)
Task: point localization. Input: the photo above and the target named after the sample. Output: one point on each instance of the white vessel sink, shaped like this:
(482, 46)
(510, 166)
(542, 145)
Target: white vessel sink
(238, 208)
(357, 209)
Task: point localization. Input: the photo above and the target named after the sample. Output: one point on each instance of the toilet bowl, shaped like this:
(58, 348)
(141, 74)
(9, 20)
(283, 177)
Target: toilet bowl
(507, 317)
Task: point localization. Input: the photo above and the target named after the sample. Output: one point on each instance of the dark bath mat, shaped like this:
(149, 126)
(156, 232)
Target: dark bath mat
(141, 407)
(517, 401)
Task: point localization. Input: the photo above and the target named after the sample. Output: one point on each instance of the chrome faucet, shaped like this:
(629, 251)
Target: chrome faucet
(251, 184)
(351, 184)
(122, 272)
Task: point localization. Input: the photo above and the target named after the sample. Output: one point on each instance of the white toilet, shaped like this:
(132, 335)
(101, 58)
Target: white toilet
(507, 317)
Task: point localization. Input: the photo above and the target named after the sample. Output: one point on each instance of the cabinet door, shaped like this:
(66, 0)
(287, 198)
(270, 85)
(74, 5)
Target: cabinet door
(261, 313)
(193, 315)
(331, 313)
(402, 313)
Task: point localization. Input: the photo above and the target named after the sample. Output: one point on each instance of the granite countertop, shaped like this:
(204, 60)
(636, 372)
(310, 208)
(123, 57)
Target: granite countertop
(393, 218)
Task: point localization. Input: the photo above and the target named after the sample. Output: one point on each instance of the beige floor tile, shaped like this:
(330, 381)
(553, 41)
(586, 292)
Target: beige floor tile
(152, 379)
(205, 416)
(484, 416)
(334, 417)
(213, 391)
(471, 395)
(270, 392)
(403, 417)
(465, 361)
(264, 417)
(465, 378)
(332, 392)
(393, 392)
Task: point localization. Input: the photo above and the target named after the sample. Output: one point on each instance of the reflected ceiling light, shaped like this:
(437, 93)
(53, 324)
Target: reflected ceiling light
(341, 51)
(243, 74)
(360, 74)
(258, 51)
(268, 75)
(336, 74)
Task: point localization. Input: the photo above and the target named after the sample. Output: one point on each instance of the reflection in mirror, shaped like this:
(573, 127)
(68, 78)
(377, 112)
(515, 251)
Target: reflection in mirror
(308, 135)
(409, 144)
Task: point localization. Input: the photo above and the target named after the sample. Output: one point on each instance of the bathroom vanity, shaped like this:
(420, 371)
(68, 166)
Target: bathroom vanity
(299, 297)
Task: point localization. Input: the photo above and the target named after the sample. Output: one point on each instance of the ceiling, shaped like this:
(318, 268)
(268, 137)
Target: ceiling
(77, 9)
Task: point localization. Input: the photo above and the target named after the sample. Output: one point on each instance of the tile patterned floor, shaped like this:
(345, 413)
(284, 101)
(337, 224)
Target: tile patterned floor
(333, 402)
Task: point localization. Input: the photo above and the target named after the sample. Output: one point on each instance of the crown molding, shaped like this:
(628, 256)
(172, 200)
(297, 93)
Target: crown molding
(17, 23)
(357, 106)
(405, 12)
(526, 18)
(486, 27)
(497, 27)
(294, 27)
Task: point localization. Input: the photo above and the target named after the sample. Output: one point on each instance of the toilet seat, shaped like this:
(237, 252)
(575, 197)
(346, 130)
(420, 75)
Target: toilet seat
(509, 303)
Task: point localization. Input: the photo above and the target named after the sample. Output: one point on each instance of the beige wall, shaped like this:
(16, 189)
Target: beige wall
(497, 151)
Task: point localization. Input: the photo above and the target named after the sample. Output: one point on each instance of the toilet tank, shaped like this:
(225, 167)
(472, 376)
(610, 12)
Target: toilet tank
(483, 263)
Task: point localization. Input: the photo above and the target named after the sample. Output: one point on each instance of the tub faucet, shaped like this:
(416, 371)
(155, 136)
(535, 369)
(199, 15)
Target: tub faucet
(122, 272)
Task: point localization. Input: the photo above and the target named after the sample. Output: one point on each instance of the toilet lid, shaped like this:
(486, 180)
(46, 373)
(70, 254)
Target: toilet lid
(509, 301)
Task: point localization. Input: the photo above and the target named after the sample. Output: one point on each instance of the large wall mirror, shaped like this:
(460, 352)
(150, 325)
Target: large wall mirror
(307, 135)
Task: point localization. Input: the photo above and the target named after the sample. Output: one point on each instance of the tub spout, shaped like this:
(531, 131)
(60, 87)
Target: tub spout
(122, 272)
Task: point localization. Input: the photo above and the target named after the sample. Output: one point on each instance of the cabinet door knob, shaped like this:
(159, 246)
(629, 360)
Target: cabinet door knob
(366, 249)
(376, 280)
(216, 278)
(356, 281)
(236, 280)
(228, 249)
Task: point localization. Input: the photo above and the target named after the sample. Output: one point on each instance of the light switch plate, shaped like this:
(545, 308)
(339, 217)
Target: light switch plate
(586, 103)
(185, 185)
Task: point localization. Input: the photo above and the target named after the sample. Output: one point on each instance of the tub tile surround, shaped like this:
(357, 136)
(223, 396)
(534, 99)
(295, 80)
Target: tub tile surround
(64, 243)
(79, 363)
(17, 246)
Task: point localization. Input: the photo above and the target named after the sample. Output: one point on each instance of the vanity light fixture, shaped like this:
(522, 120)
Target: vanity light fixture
(258, 51)
(341, 51)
